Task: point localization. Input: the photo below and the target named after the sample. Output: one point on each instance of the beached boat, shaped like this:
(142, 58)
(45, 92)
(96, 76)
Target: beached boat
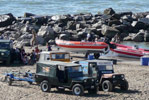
(83, 46)
(129, 51)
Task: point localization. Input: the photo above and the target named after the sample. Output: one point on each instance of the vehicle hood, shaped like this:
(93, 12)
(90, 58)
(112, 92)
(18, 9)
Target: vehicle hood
(109, 75)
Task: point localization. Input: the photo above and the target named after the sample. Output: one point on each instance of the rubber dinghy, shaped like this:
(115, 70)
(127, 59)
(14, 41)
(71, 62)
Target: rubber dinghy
(129, 51)
(83, 46)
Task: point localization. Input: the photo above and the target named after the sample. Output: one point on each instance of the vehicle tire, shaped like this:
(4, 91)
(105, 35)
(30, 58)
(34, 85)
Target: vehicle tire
(96, 55)
(124, 86)
(107, 86)
(45, 86)
(78, 90)
(5, 79)
(93, 91)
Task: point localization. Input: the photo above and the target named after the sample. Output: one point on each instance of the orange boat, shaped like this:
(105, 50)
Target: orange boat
(83, 46)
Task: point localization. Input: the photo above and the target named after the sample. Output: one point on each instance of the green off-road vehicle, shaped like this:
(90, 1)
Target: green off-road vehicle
(108, 80)
(6, 48)
(61, 75)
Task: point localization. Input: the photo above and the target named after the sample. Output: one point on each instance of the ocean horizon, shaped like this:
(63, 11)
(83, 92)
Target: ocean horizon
(60, 7)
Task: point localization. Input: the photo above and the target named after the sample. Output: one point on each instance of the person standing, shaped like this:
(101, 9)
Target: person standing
(88, 37)
(49, 47)
(33, 39)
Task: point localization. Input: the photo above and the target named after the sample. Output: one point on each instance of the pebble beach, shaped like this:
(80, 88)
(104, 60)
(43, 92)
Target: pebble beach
(136, 75)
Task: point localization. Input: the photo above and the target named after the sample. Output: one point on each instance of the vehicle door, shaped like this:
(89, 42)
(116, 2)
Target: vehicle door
(92, 70)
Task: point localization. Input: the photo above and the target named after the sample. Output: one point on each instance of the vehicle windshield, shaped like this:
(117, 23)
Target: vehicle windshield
(75, 72)
(60, 56)
(105, 67)
(75, 69)
(4, 45)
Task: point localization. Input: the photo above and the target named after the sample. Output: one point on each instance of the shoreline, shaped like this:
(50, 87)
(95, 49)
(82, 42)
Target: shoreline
(128, 25)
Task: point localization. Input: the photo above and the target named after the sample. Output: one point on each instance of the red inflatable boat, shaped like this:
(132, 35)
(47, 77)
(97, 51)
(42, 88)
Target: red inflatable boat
(83, 46)
(129, 51)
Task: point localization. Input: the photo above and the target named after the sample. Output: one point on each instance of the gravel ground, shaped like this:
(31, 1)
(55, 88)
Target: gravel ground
(137, 76)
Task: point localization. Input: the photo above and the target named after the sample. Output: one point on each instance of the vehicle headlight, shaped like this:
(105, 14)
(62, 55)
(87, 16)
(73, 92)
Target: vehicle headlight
(2, 54)
(122, 76)
(113, 76)
(85, 81)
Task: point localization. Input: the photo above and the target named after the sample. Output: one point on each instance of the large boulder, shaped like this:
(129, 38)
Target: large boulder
(144, 20)
(17, 35)
(128, 38)
(138, 25)
(64, 36)
(46, 32)
(82, 35)
(146, 36)
(6, 20)
(147, 16)
(25, 36)
(24, 42)
(71, 25)
(27, 28)
(28, 14)
(57, 29)
(120, 14)
(109, 32)
(24, 19)
(141, 15)
(139, 37)
(97, 25)
(87, 16)
(127, 18)
(114, 22)
(80, 25)
(78, 18)
(124, 28)
(109, 11)
(62, 20)
(40, 40)
(40, 20)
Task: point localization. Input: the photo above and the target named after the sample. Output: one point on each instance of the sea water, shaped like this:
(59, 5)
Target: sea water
(58, 7)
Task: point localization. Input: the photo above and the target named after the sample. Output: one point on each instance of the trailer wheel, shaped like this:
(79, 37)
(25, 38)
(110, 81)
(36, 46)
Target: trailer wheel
(125, 86)
(9, 80)
(96, 55)
(78, 90)
(107, 86)
(30, 83)
(45, 86)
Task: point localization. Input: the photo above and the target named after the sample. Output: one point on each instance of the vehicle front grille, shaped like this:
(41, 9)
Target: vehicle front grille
(118, 77)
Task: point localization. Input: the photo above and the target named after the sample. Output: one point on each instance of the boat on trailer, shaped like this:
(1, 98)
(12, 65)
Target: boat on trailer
(129, 51)
(83, 46)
